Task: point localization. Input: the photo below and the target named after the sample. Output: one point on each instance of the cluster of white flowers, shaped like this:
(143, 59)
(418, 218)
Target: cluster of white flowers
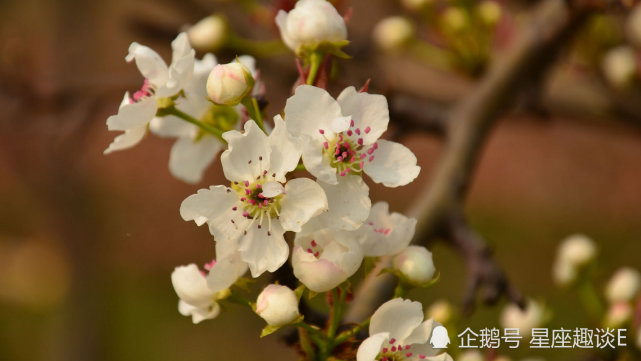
(209, 107)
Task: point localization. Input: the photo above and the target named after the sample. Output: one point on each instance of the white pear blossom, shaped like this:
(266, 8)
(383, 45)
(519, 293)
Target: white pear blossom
(384, 233)
(277, 305)
(229, 83)
(325, 258)
(311, 23)
(525, 320)
(574, 253)
(161, 81)
(398, 332)
(416, 264)
(342, 136)
(195, 149)
(340, 140)
(199, 292)
(260, 205)
(624, 286)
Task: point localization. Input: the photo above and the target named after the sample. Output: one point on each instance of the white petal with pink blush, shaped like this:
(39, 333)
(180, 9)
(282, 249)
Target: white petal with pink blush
(325, 258)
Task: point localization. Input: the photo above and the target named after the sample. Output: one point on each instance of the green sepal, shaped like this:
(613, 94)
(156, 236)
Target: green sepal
(299, 292)
(243, 283)
(268, 330)
(311, 294)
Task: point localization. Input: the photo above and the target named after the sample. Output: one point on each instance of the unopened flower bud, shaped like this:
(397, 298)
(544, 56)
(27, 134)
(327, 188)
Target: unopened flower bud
(229, 83)
(489, 11)
(620, 66)
(277, 305)
(618, 315)
(524, 320)
(393, 32)
(208, 34)
(416, 264)
(624, 285)
(311, 23)
(440, 311)
(575, 252)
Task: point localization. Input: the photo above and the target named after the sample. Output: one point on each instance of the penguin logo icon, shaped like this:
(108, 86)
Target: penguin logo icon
(439, 338)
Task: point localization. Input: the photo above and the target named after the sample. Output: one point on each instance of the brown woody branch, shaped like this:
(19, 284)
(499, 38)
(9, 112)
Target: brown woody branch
(467, 127)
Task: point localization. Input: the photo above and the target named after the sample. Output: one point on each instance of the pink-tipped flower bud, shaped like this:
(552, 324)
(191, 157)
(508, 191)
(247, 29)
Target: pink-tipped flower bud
(229, 83)
(416, 264)
(277, 305)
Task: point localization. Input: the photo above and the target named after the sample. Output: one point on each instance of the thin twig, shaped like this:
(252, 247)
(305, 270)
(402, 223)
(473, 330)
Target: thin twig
(468, 124)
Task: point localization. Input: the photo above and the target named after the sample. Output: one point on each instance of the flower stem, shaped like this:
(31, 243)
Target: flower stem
(338, 295)
(172, 110)
(260, 48)
(306, 343)
(315, 60)
(251, 104)
(345, 335)
(590, 299)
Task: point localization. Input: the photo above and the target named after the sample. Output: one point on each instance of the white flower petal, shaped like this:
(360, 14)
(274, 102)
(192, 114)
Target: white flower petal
(189, 159)
(319, 275)
(128, 139)
(345, 252)
(349, 203)
(441, 357)
(171, 126)
(421, 334)
(371, 346)
(385, 234)
(226, 272)
(264, 250)
(309, 110)
(149, 63)
(182, 66)
(191, 286)
(399, 317)
(281, 22)
(185, 308)
(340, 124)
(272, 189)
(393, 164)
(285, 150)
(215, 206)
(303, 199)
(200, 314)
(133, 115)
(367, 110)
(247, 155)
(316, 163)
